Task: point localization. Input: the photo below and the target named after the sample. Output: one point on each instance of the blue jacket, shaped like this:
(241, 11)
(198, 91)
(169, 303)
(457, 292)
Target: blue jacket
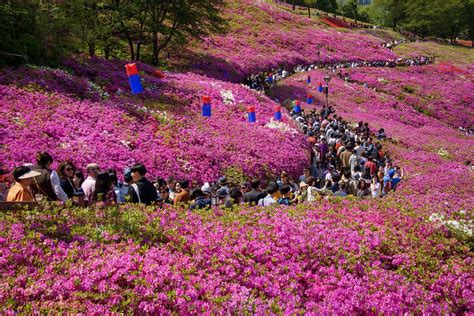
(200, 202)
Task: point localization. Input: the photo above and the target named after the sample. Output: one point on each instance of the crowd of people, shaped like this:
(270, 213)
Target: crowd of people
(345, 160)
(264, 81)
(393, 43)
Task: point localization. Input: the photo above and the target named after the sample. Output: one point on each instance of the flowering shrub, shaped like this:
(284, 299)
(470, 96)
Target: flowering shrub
(442, 91)
(374, 256)
(262, 36)
(162, 128)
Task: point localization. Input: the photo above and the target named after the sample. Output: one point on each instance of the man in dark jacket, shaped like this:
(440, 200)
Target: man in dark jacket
(142, 190)
(200, 200)
(255, 194)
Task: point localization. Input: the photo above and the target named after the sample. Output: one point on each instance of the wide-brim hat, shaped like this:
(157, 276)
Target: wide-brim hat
(29, 174)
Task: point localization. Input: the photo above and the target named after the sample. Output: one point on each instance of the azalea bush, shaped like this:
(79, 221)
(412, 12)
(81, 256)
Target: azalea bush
(371, 256)
(86, 113)
(262, 36)
(442, 91)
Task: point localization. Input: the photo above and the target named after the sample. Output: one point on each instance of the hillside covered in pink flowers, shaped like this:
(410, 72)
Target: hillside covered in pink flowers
(87, 113)
(263, 37)
(410, 252)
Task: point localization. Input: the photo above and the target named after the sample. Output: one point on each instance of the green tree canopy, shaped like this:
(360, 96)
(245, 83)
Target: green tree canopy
(442, 18)
(45, 31)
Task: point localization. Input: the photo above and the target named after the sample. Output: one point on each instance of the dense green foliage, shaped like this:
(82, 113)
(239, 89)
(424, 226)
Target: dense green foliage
(44, 31)
(447, 19)
(324, 5)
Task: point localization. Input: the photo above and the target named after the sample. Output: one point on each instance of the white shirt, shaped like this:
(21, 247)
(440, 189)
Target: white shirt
(353, 161)
(57, 186)
(328, 132)
(340, 150)
(268, 200)
(375, 189)
(312, 193)
(359, 150)
(88, 186)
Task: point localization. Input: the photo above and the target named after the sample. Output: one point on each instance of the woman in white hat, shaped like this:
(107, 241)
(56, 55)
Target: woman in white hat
(20, 191)
(302, 195)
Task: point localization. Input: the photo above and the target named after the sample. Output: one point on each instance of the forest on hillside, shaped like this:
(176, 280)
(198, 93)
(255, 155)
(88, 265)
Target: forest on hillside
(448, 19)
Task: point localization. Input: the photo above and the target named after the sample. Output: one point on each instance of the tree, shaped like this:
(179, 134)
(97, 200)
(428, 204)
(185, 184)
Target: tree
(45, 31)
(351, 10)
(310, 4)
(442, 18)
(388, 12)
(17, 30)
(323, 5)
(327, 5)
(84, 15)
(419, 19)
(38, 30)
(468, 18)
(448, 20)
(174, 22)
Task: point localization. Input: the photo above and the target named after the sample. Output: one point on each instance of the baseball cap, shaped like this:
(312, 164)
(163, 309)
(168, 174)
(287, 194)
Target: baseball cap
(222, 180)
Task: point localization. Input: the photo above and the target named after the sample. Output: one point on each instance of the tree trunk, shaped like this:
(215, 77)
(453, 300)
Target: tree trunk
(356, 14)
(91, 46)
(137, 52)
(165, 42)
(309, 12)
(294, 5)
(154, 59)
(107, 52)
(132, 50)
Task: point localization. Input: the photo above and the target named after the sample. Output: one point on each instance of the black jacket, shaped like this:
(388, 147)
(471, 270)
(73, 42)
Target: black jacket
(147, 192)
(253, 196)
(67, 187)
